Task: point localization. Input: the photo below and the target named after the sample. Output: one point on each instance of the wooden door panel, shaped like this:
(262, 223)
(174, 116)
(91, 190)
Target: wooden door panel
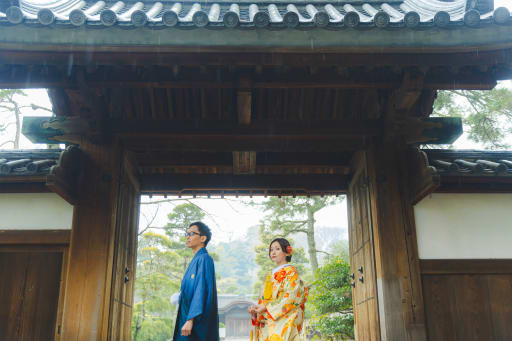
(500, 298)
(468, 307)
(125, 253)
(373, 323)
(369, 272)
(29, 295)
(362, 260)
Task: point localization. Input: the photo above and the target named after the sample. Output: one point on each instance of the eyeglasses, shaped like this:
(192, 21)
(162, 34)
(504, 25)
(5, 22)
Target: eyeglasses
(191, 233)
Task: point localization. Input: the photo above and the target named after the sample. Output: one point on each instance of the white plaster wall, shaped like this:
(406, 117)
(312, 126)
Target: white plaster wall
(34, 211)
(464, 226)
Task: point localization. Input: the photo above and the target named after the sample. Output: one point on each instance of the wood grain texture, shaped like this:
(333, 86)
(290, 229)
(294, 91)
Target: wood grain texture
(466, 266)
(364, 294)
(39, 237)
(87, 300)
(399, 286)
(125, 253)
(29, 295)
(469, 307)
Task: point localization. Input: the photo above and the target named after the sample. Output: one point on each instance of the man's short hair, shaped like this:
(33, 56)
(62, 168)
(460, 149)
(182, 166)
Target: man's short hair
(204, 230)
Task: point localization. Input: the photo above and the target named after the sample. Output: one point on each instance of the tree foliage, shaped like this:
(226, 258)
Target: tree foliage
(157, 277)
(487, 115)
(288, 216)
(331, 299)
(236, 268)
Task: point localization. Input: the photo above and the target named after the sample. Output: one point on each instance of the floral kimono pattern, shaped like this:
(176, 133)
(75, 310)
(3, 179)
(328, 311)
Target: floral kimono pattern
(284, 294)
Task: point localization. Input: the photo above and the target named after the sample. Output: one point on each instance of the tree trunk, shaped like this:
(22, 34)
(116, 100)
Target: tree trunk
(311, 240)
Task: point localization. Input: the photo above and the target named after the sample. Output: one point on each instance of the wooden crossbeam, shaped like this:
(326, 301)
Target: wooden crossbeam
(87, 55)
(221, 136)
(179, 183)
(220, 77)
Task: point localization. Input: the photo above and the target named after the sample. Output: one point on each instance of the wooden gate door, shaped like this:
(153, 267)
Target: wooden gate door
(29, 293)
(362, 264)
(125, 255)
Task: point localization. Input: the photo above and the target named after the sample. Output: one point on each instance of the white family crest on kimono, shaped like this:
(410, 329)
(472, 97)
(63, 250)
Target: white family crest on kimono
(284, 295)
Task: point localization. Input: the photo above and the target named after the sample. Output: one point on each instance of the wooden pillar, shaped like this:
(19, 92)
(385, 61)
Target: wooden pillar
(93, 274)
(399, 294)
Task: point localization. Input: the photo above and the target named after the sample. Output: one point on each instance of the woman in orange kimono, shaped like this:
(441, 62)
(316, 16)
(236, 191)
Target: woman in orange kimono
(279, 315)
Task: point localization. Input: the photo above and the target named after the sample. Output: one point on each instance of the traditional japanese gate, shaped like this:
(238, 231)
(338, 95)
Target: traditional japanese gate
(249, 112)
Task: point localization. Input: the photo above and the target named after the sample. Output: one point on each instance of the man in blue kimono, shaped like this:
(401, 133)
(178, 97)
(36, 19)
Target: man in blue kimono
(198, 318)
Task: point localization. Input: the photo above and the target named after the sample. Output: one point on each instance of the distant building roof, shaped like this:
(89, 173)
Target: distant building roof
(27, 162)
(298, 14)
(226, 301)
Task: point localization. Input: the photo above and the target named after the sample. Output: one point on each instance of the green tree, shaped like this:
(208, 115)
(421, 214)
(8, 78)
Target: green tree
(236, 266)
(288, 216)
(487, 115)
(179, 220)
(157, 277)
(331, 300)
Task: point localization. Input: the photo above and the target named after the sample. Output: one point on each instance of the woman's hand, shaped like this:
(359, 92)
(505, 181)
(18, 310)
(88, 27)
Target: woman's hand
(260, 308)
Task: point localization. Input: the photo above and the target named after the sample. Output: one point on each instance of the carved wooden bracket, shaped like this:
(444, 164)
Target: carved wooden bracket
(423, 178)
(63, 177)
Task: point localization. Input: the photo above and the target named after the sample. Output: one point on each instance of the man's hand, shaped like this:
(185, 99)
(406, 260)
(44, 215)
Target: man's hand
(187, 328)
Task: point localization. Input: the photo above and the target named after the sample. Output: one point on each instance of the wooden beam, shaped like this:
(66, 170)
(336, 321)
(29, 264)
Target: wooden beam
(305, 136)
(296, 159)
(207, 143)
(465, 266)
(244, 162)
(90, 79)
(82, 55)
(177, 183)
(24, 187)
(401, 102)
(259, 169)
(37, 237)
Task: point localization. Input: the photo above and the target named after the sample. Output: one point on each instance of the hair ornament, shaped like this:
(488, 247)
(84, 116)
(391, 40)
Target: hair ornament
(289, 249)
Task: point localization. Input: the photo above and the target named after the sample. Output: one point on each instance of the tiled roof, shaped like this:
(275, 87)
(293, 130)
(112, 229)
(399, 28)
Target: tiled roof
(257, 13)
(471, 162)
(27, 162)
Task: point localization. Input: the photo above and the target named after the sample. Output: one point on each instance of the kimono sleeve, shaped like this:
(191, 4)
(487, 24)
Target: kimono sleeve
(203, 291)
(290, 299)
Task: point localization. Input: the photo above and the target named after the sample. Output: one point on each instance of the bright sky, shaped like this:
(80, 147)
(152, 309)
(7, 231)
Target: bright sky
(503, 3)
(229, 219)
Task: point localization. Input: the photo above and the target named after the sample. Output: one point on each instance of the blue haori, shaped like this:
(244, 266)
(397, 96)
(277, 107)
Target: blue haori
(198, 300)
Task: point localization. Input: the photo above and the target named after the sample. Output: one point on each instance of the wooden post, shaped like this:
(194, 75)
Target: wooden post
(399, 293)
(89, 308)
